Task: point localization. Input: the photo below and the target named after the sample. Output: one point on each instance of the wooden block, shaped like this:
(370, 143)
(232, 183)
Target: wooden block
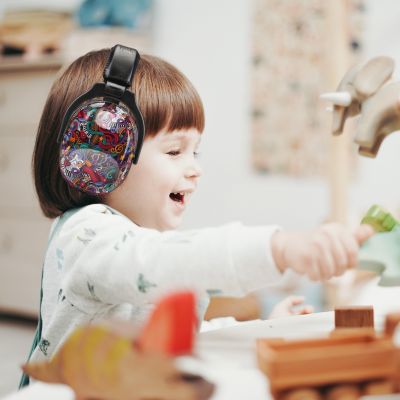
(379, 387)
(301, 394)
(354, 317)
(343, 392)
(318, 362)
(241, 308)
(354, 332)
(391, 322)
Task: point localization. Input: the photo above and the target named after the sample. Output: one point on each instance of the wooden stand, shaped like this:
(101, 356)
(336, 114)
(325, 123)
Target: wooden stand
(338, 56)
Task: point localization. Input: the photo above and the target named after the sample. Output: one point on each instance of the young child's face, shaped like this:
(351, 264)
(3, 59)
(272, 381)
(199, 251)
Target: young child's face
(157, 190)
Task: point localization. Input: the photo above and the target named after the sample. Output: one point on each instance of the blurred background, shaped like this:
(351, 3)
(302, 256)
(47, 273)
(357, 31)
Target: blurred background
(267, 152)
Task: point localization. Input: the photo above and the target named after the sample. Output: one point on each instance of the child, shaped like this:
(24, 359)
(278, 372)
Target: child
(113, 254)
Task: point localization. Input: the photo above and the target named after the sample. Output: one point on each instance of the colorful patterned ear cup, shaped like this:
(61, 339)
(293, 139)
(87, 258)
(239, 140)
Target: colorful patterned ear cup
(98, 146)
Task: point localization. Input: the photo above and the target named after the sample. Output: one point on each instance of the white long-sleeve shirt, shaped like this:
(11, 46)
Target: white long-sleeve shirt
(101, 265)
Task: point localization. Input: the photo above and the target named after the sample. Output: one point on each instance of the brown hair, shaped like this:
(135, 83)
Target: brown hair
(166, 99)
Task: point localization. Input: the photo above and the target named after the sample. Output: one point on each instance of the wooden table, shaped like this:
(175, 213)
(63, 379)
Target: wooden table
(226, 357)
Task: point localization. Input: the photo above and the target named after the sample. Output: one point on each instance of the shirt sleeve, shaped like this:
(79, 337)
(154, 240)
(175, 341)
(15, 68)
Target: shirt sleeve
(110, 259)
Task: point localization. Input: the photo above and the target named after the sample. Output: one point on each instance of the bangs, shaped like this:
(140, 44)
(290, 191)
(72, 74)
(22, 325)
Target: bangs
(166, 98)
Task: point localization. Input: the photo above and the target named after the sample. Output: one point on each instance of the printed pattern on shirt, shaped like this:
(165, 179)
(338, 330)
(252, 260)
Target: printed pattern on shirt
(143, 284)
(88, 236)
(60, 258)
(123, 240)
(44, 345)
(91, 291)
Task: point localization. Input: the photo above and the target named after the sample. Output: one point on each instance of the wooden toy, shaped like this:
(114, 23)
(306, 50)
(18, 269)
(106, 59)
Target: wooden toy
(244, 308)
(302, 394)
(110, 361)
(34, 32)
(381, 252)
(375, 388)
(380, 219)
(354, 317)
(366, 90)
(358, 358)
(343, 392)
(391, 322)
(171, 327)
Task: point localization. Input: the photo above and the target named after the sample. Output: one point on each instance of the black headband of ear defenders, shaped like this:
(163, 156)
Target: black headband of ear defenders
(119, 70)
(118, 75)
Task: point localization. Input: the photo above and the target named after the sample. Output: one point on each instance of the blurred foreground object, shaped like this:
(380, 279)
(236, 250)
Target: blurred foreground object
(350, 317)
(356, 361)
(33, 32)
(126, 13)
(365, 90)
(111, 362)
(381, 252)
(379, 219)
(172, 326)
(241, 308)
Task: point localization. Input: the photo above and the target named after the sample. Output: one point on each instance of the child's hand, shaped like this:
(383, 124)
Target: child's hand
(321, 254)
(292, 305)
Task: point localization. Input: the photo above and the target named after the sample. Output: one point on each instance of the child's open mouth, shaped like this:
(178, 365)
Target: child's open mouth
(177, 197)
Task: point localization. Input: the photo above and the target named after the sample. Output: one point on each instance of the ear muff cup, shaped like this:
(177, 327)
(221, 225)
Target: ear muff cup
(103, 130)
(98, 146)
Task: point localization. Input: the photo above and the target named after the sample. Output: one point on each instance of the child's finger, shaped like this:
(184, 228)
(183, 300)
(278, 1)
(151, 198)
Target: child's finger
(313, 270)
(326, 263)
(308, 309)
(351, 247)
(363, 232)
(295, 300)
(338, 251)
(305, 310)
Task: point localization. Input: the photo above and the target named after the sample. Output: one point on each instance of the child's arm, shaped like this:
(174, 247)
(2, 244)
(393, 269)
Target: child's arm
(105, 258)
(291, 305)
(321, 254)
(248, 307)
(241, 308)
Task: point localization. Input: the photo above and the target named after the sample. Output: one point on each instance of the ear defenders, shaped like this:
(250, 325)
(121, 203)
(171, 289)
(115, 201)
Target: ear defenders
(102, 131)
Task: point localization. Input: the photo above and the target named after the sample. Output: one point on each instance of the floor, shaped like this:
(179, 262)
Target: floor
(16, 336)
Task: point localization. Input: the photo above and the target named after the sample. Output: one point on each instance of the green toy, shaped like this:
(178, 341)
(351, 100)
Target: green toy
(381, 253)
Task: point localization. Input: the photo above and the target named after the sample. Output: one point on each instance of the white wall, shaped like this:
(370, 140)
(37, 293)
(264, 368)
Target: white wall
(210, 40)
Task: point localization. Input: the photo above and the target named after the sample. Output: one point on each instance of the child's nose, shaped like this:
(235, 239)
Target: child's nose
(193, 169)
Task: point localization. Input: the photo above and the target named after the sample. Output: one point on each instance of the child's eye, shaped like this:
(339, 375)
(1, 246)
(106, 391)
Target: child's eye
(196, 154)
(174, 153)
